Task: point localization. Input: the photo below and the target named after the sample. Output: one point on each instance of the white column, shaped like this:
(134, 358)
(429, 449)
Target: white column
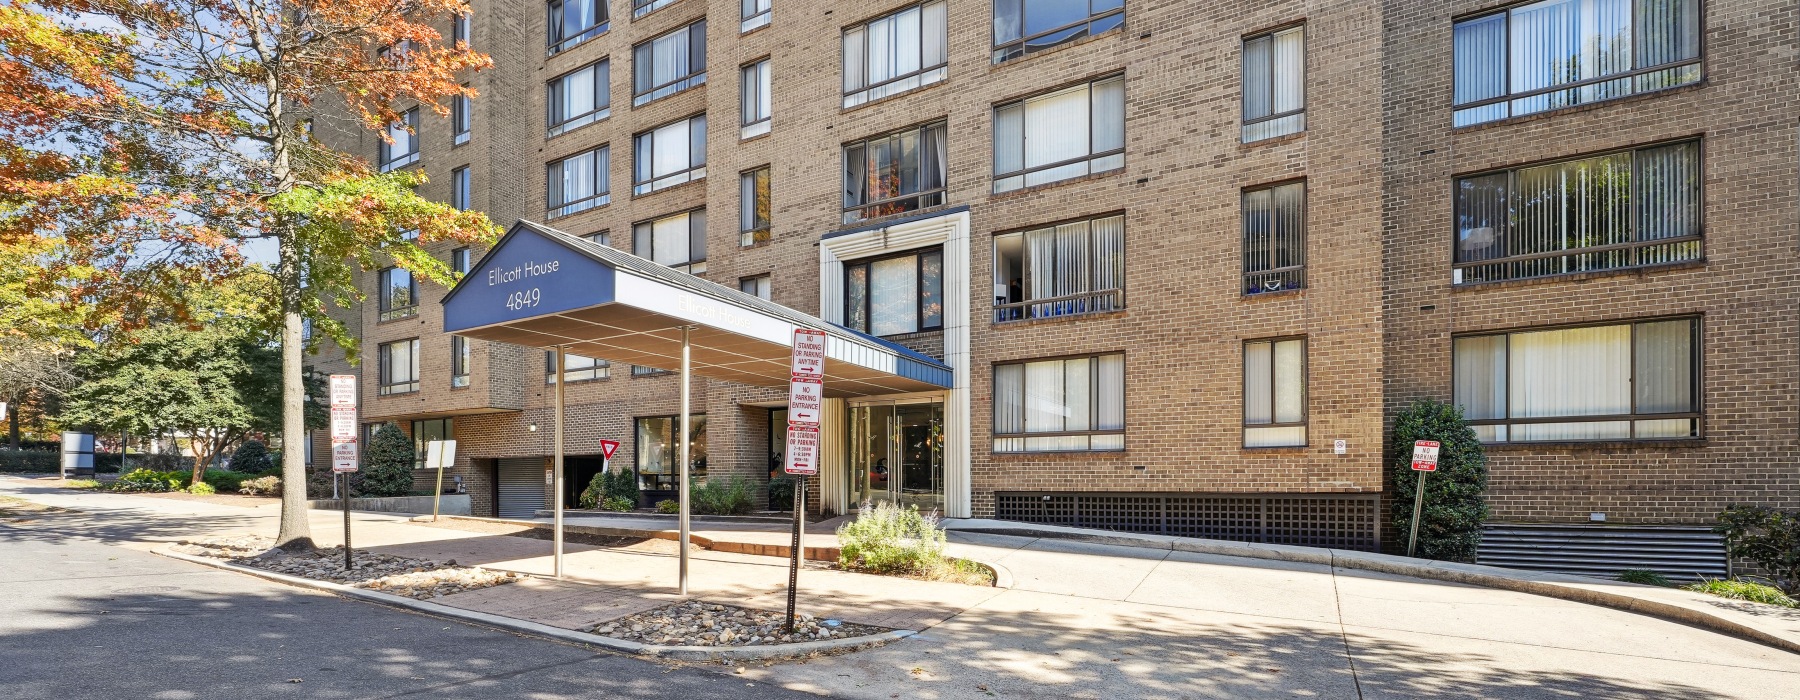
(958, 498)
(682, 453)
(834, 489)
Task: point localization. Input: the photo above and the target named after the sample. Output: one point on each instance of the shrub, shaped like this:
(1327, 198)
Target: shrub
(261, 486)
(888, 539)
(30, 461)
(163, 462)
(224, 481)
(596, 489)
(1744, 590)
(252, 458)
(722, 497)
(624, 485)
(619, 505)
(387, 465)
(1450, 525)
(781, 493)
(202, 489)
(320, 479)
(668, 506)
(1769, 537)
(147, 480)
(1645, 577)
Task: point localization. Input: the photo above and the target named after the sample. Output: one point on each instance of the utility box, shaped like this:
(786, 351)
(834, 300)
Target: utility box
(77, 455)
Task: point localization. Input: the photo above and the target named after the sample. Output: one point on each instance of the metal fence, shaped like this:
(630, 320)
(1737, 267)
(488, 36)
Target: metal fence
(1340, 521)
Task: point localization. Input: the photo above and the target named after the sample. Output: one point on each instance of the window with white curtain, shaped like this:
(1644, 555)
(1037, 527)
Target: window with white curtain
(462, 118)
(1634, 381)
(572, 22)
(1275, 84)
(657, 451)
(1024, 27)
(1275, 393)
(460, 361)
(756, 14)
(753, 207)
(678, 241)
(1611, 211)
(895, 173)
(399, 294)
(1070, 268)
(459, 188)
(670, 155)
(401, 147)
(576, 368)
(1062, 405)
(399, 363)
(579, 182)
(1275, 238)
(669, 63)
(755, 103)
(894, 53)
(895, 294)
(1559, 53)
(1065, 134)
(757, 286)
(579, 98)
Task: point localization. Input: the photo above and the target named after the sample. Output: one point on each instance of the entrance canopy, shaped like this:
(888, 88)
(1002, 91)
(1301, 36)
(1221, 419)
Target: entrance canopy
(541, 287)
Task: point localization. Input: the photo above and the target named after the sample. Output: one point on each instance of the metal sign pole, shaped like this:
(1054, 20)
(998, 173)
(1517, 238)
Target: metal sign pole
(682, 453)
(556, 486)
(795, 556)
(344, 491)
(1418, 505)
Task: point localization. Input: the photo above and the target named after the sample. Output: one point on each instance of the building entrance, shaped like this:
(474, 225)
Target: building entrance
(897, 453)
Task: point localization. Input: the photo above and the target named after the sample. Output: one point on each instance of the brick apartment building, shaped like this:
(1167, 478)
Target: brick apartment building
(1225, 243)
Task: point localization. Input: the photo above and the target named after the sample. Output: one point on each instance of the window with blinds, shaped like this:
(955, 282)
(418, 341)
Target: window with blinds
(678, 241)
(895, 294)
(1071, 268)
(1274, 84)
(1275, 393)
(895, 173)
(669, 155)
(459, 188)
(579, 182)
(579, 98)
(1606, 212)
(669, 64)
(401, 147)
(1065, 134)
(576, 368)
(462, 118)
(461, 358)
(757, 286)
(1060, 405)
(892, 54)
(756, 14)
(755, 103)
(1635, 381)
(1275, 238)
(399, 366)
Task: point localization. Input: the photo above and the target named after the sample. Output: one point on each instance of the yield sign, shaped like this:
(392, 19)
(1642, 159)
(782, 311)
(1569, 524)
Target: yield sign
(608, 447)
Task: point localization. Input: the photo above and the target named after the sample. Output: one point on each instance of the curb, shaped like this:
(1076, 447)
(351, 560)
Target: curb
(682, 653)
(1560, 586)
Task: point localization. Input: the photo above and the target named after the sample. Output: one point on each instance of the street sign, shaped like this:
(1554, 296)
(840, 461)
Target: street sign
(806, 400)
(1425, 454)
(440, 454)
(343, 390)
(802, 450)
(2, 410)
(809, 353)
(343, 455)
(608, 448)
(343, 421)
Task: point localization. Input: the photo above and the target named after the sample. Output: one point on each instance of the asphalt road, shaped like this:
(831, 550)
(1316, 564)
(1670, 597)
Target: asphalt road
(82, 619)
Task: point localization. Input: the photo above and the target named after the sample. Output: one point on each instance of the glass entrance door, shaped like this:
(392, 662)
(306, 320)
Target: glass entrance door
(897, 453)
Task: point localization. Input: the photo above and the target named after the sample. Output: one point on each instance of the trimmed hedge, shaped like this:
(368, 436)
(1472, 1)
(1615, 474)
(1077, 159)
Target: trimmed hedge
(50, 461)
(1455, 506)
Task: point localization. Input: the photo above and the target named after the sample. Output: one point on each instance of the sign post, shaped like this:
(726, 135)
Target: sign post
(806, 402)
(439, 455)
(1424, 461)
(343, 446)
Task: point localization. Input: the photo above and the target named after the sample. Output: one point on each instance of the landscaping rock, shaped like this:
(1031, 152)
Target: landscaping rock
(698, 623)
(422, 579)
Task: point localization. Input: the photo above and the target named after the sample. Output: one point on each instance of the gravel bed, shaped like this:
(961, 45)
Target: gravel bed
(702, 624)
(423, 579)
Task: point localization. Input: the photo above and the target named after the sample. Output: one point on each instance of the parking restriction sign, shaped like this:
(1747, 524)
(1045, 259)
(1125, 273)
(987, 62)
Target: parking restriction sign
(1425, 454)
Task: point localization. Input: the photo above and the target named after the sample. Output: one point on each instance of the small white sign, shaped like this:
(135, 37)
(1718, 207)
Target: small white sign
(343, 454)
(802, 450)
(343, 421)
(343, 390)
(1340, 446)
(440, 454)
(806, 400)
(2, 410)
(809, 353)
(549, 477)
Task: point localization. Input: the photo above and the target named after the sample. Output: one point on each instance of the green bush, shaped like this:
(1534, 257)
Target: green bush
(1767, 536)
(624, 485)
(202, 489)
(1645, 577)
(151, 481)
(596, 488)
(224, 481)
(619, 505)
(163, 462)
(668, 506)
(722, 497)
(30, 461)
(261, 486)
(609, 486)
(1744, 590)
(781, 493)
(1450, 525)
(320, 479)
(252, 458)
(888, 539)
(387, 464)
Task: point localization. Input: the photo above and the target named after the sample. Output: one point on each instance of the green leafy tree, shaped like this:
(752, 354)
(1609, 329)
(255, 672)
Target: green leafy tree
(252, 457)
(387, 465)
(1450, 525)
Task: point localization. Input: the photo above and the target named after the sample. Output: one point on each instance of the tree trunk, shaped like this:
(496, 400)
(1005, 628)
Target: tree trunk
(12, 417)
(202, 456)
(296, 530)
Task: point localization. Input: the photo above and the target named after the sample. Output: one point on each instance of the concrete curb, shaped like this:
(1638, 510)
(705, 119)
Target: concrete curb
(1579, 589)
(682, 653)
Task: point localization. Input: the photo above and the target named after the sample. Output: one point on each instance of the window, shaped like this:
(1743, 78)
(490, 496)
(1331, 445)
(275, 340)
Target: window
(399, 294)
(1559, 53)
(575, 21)
(657, 454)
(1275, 84)
(1071, 268)
(602, 238)
(459, 30)
(757, 286)
(401, 147)
(756, 99)
(306, 330)
(579, 182)
(579, 98)
(1605, 212)
(1023, 27)
(459, 188)
(459, 260)
(895, 294)
(1065, 134)
(1064, 405)
(399, 366)
(670, 155)
(309, 448)
(576, 368)
(1275, 238)
(678, 241)
(640, 8)
(459, 361)
(395, 55)
(753, 207)
(426, 431)
(642, 371)
(1275, 393)
(462, 118)
(669, 63)
(894, 53)
(1636, 381)
(895, 173)
(756, 14)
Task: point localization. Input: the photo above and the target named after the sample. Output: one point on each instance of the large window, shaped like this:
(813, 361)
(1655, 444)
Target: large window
(756, 14)
(399, 294)
(895, 294)
(895, 53)
(575, 21)
(460, 360)
(670, 155)
(424, 432)
(753, 207)
(669, 63)
(401, 147)
(579, 182)
(1275, 238)
(1559, 53)
(1636, 381)
(640, 8)
(459, 188)
(1024, 27)
(755, 103)
(1611, 211)
(1275, 393)
(579, 98)
(895, 173)
(459, 30)
(678, 241)
(1071, 268)
(1060, 405)
(1274, 84)
(1065, 134)
(462, 118)
(657, 453)
(576, 368)
(399, 366)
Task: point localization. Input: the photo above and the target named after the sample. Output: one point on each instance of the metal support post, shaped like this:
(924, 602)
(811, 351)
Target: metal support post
(1418, 505)
(556, 480)
(797, 554)
(344, 498)
(682, 451)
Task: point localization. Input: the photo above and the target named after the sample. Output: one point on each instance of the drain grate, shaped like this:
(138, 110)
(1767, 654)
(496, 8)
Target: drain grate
(1339, 521)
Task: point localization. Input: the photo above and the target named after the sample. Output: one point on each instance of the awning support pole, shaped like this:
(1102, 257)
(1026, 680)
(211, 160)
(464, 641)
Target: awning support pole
(683, 455)
(556, 528)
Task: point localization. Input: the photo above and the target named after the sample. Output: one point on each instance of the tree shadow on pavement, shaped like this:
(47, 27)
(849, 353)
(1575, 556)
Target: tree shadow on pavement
(125, 524)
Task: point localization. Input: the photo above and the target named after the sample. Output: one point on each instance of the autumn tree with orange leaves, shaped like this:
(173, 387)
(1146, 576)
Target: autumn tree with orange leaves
(147, 141)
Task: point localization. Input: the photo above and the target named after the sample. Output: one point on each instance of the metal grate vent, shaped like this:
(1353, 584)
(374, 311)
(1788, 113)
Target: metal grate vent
(1680, 553)
(1338, 521)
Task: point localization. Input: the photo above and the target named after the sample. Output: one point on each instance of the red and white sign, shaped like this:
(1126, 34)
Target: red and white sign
(809, 353)
(1425, 454)
(343, 454)
(343, 390)
(343, 421)
(608, 447)
(806, 400)
(802, 450)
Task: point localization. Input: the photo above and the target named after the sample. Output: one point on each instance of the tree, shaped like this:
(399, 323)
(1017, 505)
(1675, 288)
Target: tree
(252, 457)
(1450, 525)
(387, 466)
(152, 139)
